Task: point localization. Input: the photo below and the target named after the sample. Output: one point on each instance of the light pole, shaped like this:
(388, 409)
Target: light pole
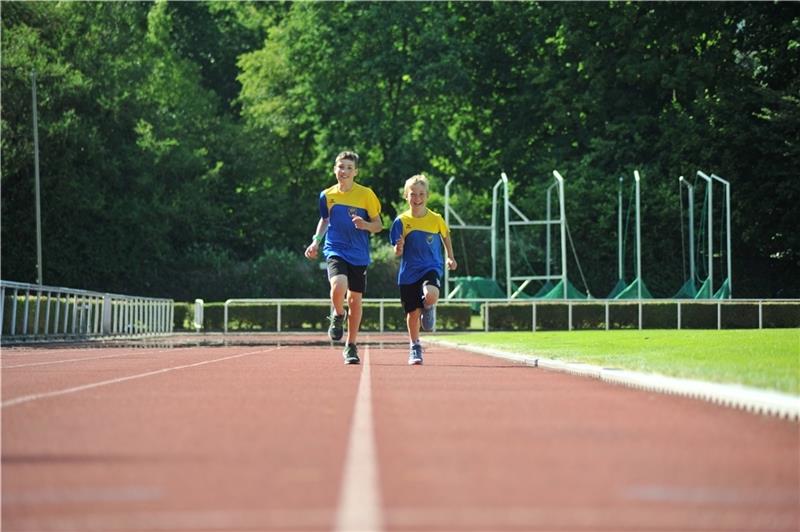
(39, 276)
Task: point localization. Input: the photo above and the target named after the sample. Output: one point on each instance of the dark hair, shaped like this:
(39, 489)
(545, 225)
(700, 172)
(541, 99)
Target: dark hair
(349, 155)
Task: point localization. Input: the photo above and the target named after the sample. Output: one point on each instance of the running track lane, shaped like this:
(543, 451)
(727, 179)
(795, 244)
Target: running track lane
(263, 439)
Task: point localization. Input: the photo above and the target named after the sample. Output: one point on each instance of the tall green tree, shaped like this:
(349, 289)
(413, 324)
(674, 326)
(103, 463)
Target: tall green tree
(188, 141)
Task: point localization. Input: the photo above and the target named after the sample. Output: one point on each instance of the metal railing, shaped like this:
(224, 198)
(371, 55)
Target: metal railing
(37, 312)
(603, 318)
(279, 303)
(719, 307)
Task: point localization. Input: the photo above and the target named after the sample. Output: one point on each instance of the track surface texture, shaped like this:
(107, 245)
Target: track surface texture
(285, 437)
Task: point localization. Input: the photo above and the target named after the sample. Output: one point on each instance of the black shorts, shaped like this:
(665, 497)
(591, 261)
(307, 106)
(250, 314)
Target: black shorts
(356, 275)
(411, 294)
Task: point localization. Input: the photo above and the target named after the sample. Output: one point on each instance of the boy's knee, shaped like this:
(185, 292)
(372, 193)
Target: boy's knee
(431, 293)
(339, 282)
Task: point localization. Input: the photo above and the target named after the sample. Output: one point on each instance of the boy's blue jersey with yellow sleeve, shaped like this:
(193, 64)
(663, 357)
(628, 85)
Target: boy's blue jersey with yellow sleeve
(422, 249)
(343, 239)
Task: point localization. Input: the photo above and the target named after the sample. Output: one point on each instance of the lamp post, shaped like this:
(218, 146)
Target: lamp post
(39, 276)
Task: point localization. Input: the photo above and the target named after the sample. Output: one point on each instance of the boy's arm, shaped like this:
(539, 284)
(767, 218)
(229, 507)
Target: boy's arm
(451, 260)
(316, 238)
(373, 226)
(396, 237)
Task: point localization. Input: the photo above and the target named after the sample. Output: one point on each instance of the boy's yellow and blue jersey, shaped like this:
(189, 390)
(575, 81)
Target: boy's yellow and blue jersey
(343, 239)
(422, 249)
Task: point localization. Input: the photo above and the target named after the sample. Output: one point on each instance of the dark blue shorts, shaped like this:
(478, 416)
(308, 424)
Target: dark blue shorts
(356, 275)
(411, 294)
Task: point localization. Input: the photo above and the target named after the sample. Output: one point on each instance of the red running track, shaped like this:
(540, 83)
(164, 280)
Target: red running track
(256, 438)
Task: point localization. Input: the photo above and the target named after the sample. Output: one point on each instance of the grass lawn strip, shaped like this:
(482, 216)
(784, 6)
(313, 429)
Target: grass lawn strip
(767, 359)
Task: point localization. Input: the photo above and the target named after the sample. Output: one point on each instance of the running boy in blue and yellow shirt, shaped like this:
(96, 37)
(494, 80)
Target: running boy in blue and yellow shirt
(349, 212)
(417, 236)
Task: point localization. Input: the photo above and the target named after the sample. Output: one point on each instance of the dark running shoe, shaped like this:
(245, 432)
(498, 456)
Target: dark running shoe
(350, 354)
(415, 355)
(336, 330)
(428, 318)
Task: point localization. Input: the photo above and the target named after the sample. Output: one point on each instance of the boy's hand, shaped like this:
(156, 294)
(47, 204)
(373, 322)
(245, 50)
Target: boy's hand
(360, 222)
(451, 264)
(398, 247)
(311, 250)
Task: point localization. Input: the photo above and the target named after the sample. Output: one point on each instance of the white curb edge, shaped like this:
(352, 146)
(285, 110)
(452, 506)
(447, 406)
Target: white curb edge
(735, 396)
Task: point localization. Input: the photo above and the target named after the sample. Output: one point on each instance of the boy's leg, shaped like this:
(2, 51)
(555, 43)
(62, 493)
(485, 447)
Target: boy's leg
(412, 323)
(357, 284)
(429, 299)
(431, 295)
(411, 297)
(415, 351)
(354, 316)
(337, 276)
(338, 291)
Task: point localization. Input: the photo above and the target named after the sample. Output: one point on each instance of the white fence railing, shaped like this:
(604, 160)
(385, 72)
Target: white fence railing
(719, 307)
(36, 312)
(727, 313)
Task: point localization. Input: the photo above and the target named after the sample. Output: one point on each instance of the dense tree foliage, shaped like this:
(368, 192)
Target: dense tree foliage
(183, 144)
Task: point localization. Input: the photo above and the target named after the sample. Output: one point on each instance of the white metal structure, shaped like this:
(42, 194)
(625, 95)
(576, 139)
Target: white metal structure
(523, 220)
(538, 306)
(36, 312)
(37, 186)
(710, 183)
(492, 228)
(729, 255)
(638, 237)
(197, 322)
(620, 258)
(692, 271)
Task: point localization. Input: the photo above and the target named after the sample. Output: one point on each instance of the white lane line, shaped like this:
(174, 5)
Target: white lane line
(66, 360)
(766, 402)
(45, 395)
(359, 504)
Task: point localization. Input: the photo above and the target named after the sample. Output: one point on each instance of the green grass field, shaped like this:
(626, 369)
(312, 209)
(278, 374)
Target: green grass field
(766, 358)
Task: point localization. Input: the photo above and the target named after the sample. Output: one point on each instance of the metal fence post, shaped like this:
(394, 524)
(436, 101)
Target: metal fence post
(106, 314)
(569, 315)
(198, 315)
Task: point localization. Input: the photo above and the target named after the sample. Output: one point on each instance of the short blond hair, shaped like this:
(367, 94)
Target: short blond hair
(418, 179)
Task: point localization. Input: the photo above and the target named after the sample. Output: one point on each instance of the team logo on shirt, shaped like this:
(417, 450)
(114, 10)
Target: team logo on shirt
(429, 238)
(352, 211)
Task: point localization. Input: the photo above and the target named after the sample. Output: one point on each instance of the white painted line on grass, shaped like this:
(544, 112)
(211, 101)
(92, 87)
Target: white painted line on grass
(751, 399)
(45, 395)
(359, 504)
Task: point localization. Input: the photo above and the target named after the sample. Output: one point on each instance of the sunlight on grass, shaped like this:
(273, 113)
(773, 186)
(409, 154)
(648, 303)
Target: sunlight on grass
(766, 358)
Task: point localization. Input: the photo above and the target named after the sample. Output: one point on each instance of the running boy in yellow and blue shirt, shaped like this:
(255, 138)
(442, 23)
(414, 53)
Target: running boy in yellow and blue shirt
(417, 236)
(350, 213)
